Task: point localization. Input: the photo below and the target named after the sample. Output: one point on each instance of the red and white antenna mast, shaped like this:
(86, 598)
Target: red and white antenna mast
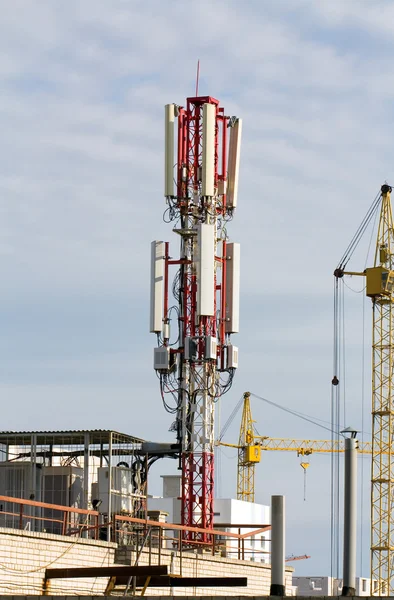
(201, 184)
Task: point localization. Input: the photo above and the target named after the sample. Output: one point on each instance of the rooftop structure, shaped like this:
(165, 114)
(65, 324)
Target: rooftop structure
(88, 469)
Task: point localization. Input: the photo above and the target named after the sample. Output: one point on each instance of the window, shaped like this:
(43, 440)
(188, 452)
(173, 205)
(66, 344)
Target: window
(364, 585)
(375, 586)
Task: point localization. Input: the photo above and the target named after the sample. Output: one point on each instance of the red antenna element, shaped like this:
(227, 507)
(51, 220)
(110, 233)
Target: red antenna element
(196, 362)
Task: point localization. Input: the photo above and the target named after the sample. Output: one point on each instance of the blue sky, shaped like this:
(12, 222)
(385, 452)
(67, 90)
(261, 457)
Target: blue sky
(81, 177)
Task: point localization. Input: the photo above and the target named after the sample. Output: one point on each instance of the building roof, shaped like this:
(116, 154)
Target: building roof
(96, 436)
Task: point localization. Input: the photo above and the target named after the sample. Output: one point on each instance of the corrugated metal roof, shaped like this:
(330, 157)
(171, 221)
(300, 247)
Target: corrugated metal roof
(68, 436)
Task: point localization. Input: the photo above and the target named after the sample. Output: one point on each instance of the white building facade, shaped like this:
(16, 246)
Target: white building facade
(230, 515)
(329, 586)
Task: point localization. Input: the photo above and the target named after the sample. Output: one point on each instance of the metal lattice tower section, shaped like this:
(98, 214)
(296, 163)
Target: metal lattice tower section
(197, 415)
(382, 517)
(196, 369)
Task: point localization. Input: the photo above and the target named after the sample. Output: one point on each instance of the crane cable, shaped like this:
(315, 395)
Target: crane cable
(339, 375)
(230, 419)
(360, 232)
(304, 464)
(362, 435)
(363, 404)
(335, 414)
(295, 413)
(338, 407)
(218, 448)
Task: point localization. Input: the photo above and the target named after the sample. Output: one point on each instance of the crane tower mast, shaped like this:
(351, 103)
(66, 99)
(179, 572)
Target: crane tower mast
(380, 280)
(249, 453)
(201, 181)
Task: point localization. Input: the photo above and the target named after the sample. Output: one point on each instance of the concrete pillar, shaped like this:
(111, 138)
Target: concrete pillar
(350, 517)
(277, 546)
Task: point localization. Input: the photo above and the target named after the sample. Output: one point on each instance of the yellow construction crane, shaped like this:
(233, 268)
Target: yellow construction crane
(251, 445)
(379, 287)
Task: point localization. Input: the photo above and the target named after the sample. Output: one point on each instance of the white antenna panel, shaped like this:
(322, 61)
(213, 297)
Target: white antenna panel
(169, 150)
(233, 253)
(208, 149)
(233, 164)
(206, 270)
(156, 286)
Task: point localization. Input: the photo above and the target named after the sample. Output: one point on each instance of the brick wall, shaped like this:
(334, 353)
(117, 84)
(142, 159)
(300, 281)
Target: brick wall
(206, 565)
(24, 556)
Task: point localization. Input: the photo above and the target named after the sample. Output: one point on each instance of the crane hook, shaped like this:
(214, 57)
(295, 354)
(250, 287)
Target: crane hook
(305, 465)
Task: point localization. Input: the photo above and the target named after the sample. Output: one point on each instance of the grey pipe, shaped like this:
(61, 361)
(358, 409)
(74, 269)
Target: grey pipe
(350, 517)
(277, 546)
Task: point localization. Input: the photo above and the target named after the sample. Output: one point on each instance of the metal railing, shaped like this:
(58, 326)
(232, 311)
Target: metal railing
(139, 535)
(154, 536)
(30, 515)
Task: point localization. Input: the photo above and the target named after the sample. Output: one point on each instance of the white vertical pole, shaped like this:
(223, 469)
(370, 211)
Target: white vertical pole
(109, 487)
(86, 445)
(35, 490)
(277, 546)
(350, 518)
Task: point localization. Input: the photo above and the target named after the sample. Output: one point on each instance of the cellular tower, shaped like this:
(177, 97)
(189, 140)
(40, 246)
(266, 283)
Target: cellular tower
(196, 364)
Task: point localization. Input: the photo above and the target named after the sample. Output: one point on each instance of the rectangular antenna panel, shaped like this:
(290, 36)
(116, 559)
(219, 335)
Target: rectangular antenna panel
(233, 253)
(169, 150)
(208, 149)
(206, 270)
(233, 164)
(156, 286)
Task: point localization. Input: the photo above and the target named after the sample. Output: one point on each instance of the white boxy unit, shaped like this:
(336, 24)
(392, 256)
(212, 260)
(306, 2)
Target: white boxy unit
(206, 270)
(157, 286)
(233, 253)
(211, 347)
(64, 486)
(121, 490)
(161, 358)
(190, 349)
(232, 357)
(21, 479)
